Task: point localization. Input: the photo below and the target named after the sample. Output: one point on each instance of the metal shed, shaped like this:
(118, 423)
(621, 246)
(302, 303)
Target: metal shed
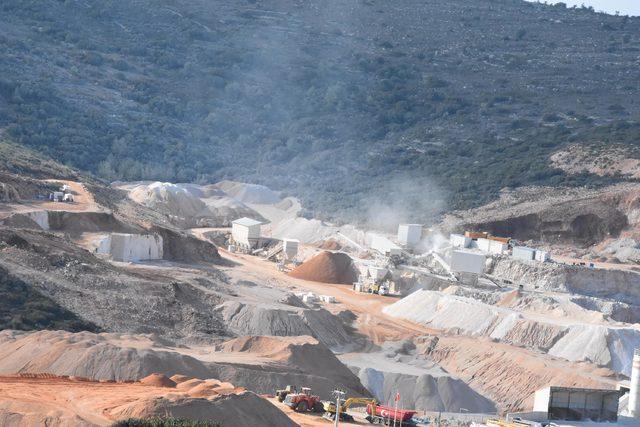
(577, 404)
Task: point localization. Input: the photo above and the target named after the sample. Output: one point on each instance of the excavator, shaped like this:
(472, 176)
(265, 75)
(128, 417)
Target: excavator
(330, 408)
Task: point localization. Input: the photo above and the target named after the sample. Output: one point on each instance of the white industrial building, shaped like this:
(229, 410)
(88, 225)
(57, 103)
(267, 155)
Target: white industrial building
(246, 232)
(524, 253)
(542, 256)
(576, 404)
(290, 248)
(467, 262)
(132, 247)
(460, 241)
(384, 245)
(409, 234)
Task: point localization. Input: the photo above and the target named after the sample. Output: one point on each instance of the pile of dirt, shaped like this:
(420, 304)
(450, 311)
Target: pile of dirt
(602, 344)
(158, 380)
(327, 267)
(182, 247)
(259, 319)
(78, 222)
(8, 193)
(171, 199)
(61, 401)
(249, 193)
(304, 358)
(330, 245)
(259, 364)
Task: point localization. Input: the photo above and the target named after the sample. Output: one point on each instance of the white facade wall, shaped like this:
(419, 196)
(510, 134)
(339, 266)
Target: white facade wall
(409, 234)
(459, 241)
(524, 253)
(542, 256)
(484, 245)
(634, 386)
(290, 247)
(135, 247)
(245, 234)
(497, 248)
(467, 262)
(541, 400)
(384, 245)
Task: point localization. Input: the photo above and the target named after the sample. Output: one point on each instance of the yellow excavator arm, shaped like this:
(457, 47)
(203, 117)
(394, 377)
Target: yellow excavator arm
(331, 406)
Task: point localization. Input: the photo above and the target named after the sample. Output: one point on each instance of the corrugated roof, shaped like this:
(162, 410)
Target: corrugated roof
(247, 222)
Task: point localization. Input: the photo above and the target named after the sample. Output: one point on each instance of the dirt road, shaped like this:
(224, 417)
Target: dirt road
(83, 201)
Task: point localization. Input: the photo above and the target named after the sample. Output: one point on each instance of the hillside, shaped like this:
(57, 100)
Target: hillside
(330, 101)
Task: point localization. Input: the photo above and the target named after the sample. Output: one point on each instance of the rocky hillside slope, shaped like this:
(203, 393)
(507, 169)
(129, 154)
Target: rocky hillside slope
(325, 99)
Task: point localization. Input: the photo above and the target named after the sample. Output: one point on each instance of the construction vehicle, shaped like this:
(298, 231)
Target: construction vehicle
(281, 394)
(381, 414)
(494, 422)
(304, 401)
(330, 408)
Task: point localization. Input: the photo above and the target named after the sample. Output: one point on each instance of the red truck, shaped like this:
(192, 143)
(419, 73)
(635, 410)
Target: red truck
(380, 414)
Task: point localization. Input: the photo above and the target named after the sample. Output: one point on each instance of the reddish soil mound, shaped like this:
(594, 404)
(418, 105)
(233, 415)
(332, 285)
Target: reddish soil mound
(330, 245)
(177, 378)
(158, 380)
(327, 267)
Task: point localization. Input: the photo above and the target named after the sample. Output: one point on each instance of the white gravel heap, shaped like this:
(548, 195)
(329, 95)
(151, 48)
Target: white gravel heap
(605, 345)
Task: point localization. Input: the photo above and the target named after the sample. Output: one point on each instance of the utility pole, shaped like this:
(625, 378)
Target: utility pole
(339, 394)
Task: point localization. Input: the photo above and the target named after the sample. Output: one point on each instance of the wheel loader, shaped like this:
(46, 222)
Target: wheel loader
(304, 401)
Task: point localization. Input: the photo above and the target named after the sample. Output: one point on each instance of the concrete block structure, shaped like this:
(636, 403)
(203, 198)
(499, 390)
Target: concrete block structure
(409, 234)
(467, 262)
(577, 404)
(542, 256)
(290, 248)
(483, 244)
(524, 253)
(460, 241)
(246, 232)
(135, 247)
(498, 248)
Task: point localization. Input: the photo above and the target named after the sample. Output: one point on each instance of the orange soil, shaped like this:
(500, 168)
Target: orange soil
(327, 267)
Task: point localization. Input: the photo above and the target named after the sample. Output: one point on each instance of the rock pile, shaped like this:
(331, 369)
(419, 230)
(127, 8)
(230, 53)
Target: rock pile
(327, 267)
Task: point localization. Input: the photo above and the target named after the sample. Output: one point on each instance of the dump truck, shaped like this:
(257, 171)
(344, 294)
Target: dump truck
(387, 415)
(330, 407)
(304, 401)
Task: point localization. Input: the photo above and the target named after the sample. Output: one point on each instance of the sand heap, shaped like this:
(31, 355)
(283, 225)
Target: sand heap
(249, 193)
(190, 205)
(169, 198)
(327, 267)
(267, 362)
(302, 358)
(38, 400)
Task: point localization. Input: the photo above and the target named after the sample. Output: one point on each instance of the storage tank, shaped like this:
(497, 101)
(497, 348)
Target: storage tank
(246, 231)
(409, 234)
(467, 262)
